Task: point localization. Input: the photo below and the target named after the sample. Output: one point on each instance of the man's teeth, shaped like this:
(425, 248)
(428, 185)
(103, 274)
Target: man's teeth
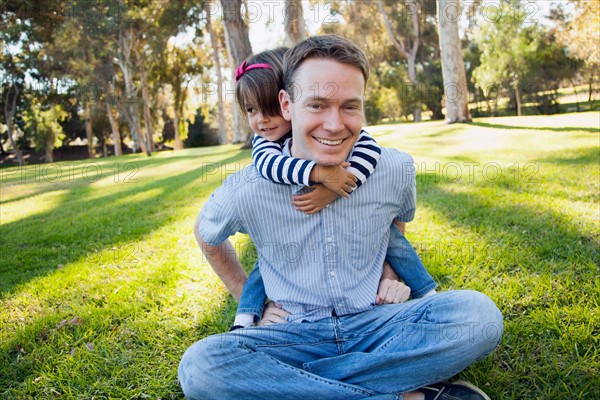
(329, 142)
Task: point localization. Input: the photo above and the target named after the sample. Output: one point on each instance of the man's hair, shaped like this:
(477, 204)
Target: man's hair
(332, 47)
(261, 86)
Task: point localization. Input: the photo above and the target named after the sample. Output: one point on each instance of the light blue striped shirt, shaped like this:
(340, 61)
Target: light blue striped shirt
(315, 264)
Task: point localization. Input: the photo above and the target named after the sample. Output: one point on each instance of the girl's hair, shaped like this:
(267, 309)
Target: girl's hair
(261, 86)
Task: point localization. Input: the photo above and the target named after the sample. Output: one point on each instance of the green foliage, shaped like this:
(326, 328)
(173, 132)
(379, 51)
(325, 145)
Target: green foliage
(524, 57)
(44, 125)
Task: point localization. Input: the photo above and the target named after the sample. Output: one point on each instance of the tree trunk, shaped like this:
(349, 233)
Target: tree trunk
(115, 129)
(453, 67)
(178, 145)
(216, 50)
(409, 55)
(518, 98)
(149, 140)
(237, 31)
(89, 132)
(49, 148)
(147, 116)
(126, 44)
(591, 85)
(10, 107)
(294, 23)
(238, 48)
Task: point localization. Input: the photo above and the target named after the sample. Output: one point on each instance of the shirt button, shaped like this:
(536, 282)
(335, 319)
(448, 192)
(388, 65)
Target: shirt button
(332, 274)
(329, 240)
(327, 206)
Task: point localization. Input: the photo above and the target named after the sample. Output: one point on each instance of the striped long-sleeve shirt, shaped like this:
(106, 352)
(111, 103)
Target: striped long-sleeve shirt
(276, 167)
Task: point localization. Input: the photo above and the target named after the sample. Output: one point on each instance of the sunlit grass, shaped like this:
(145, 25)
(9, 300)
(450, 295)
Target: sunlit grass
(102, 287)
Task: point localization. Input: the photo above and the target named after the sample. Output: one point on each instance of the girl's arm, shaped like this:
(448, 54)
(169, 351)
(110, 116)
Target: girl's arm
(274, 166)
(364, 158)
(252, 300)
(363, 161)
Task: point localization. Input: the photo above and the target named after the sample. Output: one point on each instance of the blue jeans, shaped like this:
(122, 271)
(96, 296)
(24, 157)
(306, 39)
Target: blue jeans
(377, 354)
(405, 261)
(253, 297)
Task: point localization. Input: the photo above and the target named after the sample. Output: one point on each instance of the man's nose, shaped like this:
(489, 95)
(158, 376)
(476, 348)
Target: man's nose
(333, 121)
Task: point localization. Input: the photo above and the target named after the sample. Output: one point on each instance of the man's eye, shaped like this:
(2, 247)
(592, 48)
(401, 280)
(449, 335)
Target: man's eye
(315, 106)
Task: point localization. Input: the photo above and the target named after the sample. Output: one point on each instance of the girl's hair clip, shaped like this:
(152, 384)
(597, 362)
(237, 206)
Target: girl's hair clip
(243, 68)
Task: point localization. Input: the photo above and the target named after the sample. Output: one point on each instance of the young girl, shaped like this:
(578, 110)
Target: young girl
(258, 82)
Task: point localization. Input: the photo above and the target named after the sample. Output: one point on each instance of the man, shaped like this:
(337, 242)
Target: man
(324, 269)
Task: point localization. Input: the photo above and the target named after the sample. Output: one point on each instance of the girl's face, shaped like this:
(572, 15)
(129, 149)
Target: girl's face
(271, 128)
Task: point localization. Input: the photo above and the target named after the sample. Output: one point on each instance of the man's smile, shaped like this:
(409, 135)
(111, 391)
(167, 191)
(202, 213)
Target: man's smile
(329, 142)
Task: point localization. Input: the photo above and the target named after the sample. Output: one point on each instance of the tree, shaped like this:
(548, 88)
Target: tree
(453, 67)
(178, 68)
(294, 23)
(216, 50)
(25, 26)
(580, 34)
(524, 58)
(44, 125)
(406, 39)
(238, 48)
(505, 48)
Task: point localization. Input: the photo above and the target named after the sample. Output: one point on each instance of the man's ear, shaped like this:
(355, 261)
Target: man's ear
(284, 102)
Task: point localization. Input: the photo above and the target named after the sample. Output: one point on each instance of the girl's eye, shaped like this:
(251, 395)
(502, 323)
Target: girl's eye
(250, 110)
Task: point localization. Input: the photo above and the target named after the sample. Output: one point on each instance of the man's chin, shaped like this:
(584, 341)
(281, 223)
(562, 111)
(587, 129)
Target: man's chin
(330, 161)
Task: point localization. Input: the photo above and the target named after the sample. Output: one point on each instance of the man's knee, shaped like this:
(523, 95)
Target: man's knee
(200, 369)
(487, 324)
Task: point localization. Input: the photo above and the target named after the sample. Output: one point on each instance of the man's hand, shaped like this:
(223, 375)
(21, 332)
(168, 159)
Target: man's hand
(336, 178)
(273, 314)
(314, 201)
(391, 290)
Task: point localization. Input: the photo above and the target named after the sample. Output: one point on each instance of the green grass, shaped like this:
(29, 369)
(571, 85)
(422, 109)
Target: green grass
(102, 287)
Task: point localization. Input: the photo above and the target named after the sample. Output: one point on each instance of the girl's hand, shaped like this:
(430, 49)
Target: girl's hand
(314, 201)
(337, 179)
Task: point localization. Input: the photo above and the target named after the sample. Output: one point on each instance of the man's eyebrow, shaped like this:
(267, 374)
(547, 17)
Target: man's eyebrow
(325, 99)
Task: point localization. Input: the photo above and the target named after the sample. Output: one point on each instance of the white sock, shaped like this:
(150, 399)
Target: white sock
(244, 319)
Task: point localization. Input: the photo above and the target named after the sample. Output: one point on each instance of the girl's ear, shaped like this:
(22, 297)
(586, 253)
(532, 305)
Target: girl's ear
(284, 102)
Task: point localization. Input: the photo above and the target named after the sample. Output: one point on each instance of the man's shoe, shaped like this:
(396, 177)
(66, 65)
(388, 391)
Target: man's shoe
(457, 390)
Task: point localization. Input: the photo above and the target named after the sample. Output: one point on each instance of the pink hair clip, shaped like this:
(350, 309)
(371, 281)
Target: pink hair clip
(242, 69)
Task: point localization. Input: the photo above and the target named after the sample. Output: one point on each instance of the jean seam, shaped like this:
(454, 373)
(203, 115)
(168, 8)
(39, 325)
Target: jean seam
(314, 376)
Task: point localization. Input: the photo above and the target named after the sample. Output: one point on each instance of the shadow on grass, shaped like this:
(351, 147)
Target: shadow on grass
(77, 227)
(542, 241)
(58, 176)
(537, 128)
(583, 156)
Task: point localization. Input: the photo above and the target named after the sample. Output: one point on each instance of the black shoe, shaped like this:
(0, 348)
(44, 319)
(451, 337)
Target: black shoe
(457, 390)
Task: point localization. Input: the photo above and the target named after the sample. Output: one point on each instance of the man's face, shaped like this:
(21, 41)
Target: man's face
(326, 110)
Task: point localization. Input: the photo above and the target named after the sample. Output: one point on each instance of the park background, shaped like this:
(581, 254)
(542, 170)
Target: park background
(118, 121)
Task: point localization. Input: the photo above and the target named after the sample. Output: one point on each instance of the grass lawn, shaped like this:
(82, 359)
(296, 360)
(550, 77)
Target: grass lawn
(102, 287)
